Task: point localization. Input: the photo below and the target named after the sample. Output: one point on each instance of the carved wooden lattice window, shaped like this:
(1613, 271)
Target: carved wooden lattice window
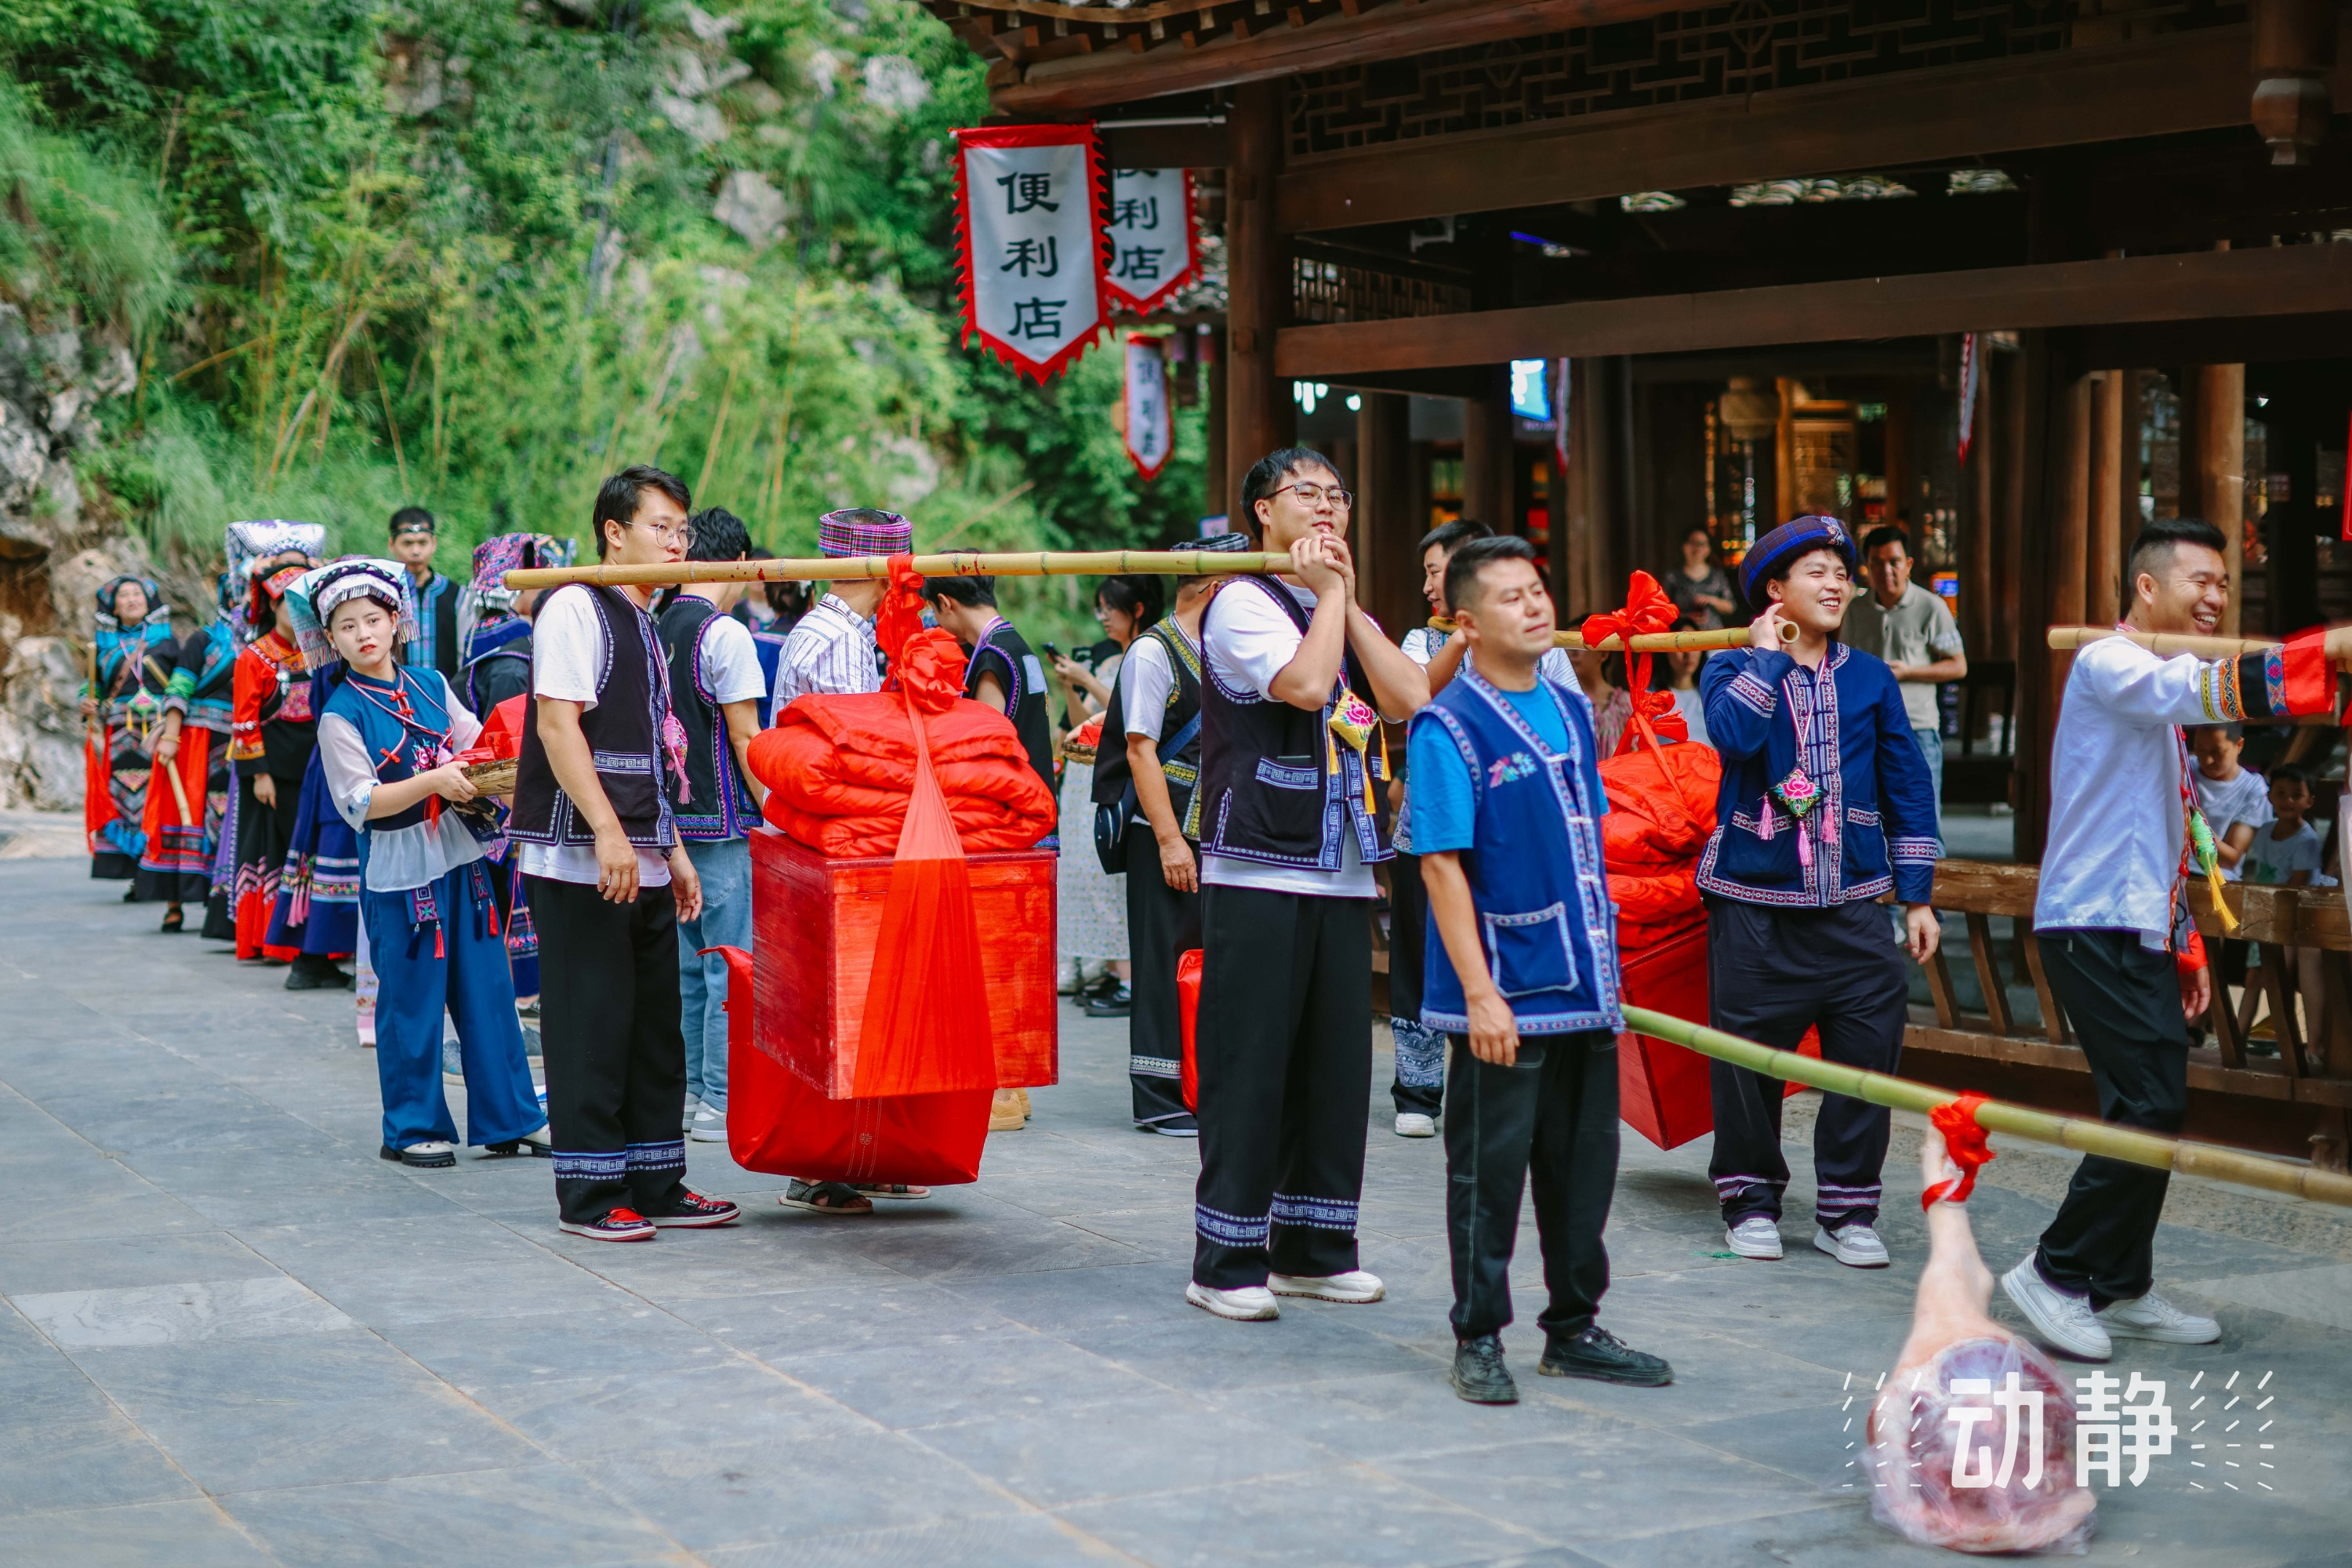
(1338, 291)
(1749, 47)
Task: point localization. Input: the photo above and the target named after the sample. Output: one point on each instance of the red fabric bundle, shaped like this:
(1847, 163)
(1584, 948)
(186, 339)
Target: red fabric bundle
(840, 773)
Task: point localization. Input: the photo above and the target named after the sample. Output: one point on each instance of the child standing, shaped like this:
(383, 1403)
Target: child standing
(2286, 854)
(2234, 799)
(386, 736)
(1507, 803)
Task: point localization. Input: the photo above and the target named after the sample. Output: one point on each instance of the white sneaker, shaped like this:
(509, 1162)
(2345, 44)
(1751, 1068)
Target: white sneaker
(1856, 1245)
(1249, 1304)
(1756, 1236)
(2064, 1319)
(1356, 1287)
(453, 1063)
(1414, 1124)
(707, 1126)
(2151, 1317)
(686, 1121)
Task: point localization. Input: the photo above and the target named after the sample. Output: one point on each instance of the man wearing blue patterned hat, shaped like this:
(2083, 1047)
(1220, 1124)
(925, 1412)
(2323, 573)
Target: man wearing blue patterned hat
(1825, 804)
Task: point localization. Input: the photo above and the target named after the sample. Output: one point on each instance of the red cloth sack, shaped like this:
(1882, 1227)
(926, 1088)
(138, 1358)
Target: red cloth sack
(1188, 1014)
(778, 1124)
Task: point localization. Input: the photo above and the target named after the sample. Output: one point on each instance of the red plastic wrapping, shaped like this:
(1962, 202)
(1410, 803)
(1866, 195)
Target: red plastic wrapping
(1188, 1014)
(816, 920)
(1663, 1089)
(1917, 1469)
(778, 1124)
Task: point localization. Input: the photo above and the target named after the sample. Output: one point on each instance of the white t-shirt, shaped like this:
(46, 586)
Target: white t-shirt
(1145, 680)
(567, 663)
(2229, 801)
(731, 660)
(1250, 644)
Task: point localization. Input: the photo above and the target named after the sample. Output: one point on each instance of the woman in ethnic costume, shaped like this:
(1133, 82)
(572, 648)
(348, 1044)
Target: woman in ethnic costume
(317, 911)
(387, 734)
(133, 656)
(272, 731)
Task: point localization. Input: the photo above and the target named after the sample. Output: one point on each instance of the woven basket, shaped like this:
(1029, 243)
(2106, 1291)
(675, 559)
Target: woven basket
(493, 777)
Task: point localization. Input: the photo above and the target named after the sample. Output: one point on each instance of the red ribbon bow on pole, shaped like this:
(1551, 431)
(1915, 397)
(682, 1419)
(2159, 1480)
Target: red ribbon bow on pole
(1965, 1142)
(1647, 610)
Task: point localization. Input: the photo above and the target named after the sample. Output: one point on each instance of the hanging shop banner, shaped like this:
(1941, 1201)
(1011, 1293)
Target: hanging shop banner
(1150, 427)
(1027, 198)
(1971, 367)
(1153, 252)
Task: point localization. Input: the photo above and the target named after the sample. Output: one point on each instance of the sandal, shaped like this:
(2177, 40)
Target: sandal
(174, 920)
(890, 1190)
(836, 1198)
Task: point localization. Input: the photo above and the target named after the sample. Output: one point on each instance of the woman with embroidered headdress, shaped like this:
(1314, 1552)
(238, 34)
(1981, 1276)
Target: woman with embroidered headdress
(387, 735)
(272, 730)
(133, 655)
(192, 858)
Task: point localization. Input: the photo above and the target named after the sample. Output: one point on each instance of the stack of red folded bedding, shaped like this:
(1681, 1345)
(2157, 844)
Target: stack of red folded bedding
(840, 771)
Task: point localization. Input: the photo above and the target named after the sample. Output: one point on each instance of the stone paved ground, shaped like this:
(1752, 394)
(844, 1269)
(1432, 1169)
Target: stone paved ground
(233, 1335)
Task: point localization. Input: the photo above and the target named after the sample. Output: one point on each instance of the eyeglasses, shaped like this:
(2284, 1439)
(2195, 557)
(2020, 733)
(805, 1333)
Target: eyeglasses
(674, 534)
(1310, 494)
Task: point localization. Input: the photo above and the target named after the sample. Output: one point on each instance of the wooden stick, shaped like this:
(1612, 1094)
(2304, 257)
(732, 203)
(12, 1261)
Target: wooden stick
(2127, 1143)
(1649, 642)
(179, 790)
(1021, 564)
(2166, 643)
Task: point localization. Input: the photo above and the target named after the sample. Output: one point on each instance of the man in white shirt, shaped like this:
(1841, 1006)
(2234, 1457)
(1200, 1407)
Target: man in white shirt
(1913, 630)
(715, 689)
(2112, 927)
(595, 765)
(1293, 815)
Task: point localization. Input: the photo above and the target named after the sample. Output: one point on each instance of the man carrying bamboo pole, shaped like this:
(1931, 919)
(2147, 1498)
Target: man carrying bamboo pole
(2113, 930)
(1292, 816)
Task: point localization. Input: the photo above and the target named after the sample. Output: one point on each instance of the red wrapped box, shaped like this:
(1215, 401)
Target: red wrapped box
(1663, 1089)
(815, 922)
(778, 1124)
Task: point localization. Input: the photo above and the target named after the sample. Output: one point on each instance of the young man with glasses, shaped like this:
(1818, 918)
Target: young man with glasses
(1292, 816)
(609, 882)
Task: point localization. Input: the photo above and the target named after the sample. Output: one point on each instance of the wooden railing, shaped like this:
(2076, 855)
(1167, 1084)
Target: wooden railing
(2294, 1103)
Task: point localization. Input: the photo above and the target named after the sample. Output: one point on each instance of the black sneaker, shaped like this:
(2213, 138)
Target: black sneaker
(613, 1224)
(695, 1212)
(1479, 1375)
(1598, 1353)
(1116, 1003)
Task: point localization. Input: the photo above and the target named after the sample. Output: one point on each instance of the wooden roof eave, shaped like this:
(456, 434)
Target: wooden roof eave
(1377, 30)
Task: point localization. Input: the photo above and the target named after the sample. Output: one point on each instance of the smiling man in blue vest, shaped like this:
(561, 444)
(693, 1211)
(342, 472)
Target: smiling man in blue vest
(1506, 818)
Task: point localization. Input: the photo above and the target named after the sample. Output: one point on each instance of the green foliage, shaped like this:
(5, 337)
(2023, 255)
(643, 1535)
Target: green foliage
(472, 256)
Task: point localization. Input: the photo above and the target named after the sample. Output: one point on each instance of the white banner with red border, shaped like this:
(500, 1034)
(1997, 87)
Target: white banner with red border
(1149, 427)
(1151, 234)
(1029, 244)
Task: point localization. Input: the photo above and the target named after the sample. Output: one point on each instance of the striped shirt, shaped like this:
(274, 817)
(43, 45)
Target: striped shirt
(830, 650)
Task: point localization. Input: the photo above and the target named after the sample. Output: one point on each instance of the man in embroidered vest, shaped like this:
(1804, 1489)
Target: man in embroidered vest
(715, 688)
(609, 882)
(1294, 813)
(1825, 804)
(1522, 977)
(2112, 929)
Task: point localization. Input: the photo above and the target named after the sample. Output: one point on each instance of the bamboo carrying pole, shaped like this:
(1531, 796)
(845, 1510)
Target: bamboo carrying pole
(2126, 1144)
(2063, 638)
(179, 790)
(961, 563)
(1649, 642)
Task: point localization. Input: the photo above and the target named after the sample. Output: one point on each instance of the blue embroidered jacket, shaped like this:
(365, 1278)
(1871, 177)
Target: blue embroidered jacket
(1873, 824)
(1535, 874)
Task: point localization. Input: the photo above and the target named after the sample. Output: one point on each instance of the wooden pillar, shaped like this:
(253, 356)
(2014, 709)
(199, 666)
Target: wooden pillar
(1220, 486)
(1387, 528)
(2018, 420)
(1784, 462)
(2041, 674)
(1259, 416)
(1978, 554)
(1902, 491)
(2294, 529)
(1487, 480)
(1587, 550)
(2221, 436)
(2103, 551)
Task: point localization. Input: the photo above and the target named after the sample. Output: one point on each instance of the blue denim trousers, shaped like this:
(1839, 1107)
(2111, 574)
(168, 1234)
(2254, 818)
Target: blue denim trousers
(725, 867)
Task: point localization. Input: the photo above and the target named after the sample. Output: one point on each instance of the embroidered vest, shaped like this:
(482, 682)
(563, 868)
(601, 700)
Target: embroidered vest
(1182, 766)
(623, 735)
(717, 805)
(1270, 791)
(1537, 878)
(1005, 653)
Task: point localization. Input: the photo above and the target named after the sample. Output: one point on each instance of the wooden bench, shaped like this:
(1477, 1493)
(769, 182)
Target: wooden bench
(2283, 1105)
